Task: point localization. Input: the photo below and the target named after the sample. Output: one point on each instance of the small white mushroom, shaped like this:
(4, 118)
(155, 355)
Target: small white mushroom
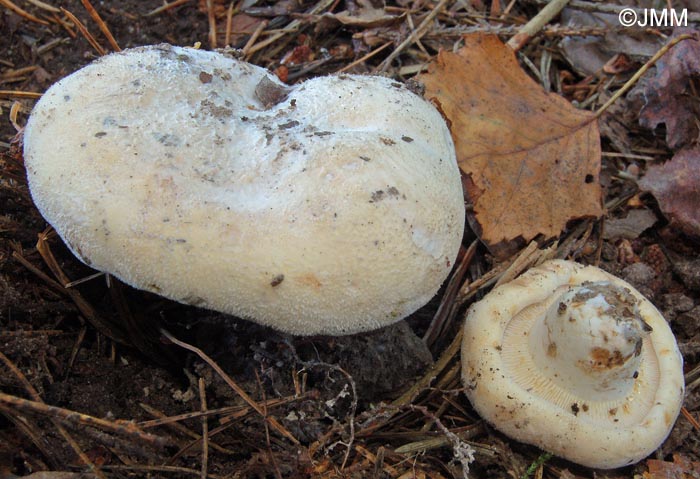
(575, 361)
(329, 207)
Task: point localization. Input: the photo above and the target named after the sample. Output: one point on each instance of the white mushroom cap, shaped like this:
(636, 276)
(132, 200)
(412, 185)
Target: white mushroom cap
(330, 207)
(575, 361)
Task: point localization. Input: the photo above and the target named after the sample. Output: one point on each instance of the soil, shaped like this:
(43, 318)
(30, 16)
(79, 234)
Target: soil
(96, 349)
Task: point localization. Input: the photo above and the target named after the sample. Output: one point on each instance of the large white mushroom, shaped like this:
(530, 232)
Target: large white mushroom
(575, 361)
(330, 207)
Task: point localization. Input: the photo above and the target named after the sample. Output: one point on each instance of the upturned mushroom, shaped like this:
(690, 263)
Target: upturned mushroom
(329, 207)
(575, 361)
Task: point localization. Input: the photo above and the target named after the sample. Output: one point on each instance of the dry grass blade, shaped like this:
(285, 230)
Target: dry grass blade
(101, 24)
(233, 385)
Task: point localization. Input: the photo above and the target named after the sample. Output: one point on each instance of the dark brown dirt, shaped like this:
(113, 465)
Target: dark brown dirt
(331, 394)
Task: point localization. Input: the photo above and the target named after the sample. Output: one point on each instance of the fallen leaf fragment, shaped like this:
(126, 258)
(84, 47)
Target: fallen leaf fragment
(669, 94)
(631, 226)
(589, 54)
(680, 468)
(676, 186)
(532, 160)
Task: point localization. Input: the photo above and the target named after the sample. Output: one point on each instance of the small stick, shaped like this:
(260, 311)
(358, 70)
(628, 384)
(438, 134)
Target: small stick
(185, 430)
(101, 24)
(536, 24)
(32, 332)
(690, 418)
(232, 384)
(164, 468)
(123, 428)
(44, 6)
(205, 428)
(20, 94)
(88, 36)
(630, 83)
(166, 7)
(37, 400)
(229, 25)
(53, 284)
(254, 38)
(293, 26)
(22, 13)
(212, 24)
(65, 26)
(413, 37)
(14, 113)
(364, 58)
(422, 383)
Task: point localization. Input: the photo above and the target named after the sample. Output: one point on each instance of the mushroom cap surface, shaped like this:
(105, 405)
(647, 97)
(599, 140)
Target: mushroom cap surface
(612, 426)
(330, 207)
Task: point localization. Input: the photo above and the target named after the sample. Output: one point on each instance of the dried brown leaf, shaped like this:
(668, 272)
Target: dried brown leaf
(671, 98)
(676, 186)
(680, 468)
(532, 161)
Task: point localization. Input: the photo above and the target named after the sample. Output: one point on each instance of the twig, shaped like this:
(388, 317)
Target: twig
(268, 443)
(37, 400)
(22, 424)
(122, 428)
(88, 36)
(166, 7)
(142, 468)
(211, 18)
(229, 25)
(205, 428)
(101, 24)
(364, 58)
(83, 305)
(447, 355)
(690, 418)
(253, 38)
(45, 6)
(462, 451)
(293, 26)
(536, 24)
(232, 384)
(446, 310)
(19, 94)
(22, 13)
(630, 83)
(413, 37)
(168, 421)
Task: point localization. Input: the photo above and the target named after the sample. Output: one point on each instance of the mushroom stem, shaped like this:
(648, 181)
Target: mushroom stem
(590, 340)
